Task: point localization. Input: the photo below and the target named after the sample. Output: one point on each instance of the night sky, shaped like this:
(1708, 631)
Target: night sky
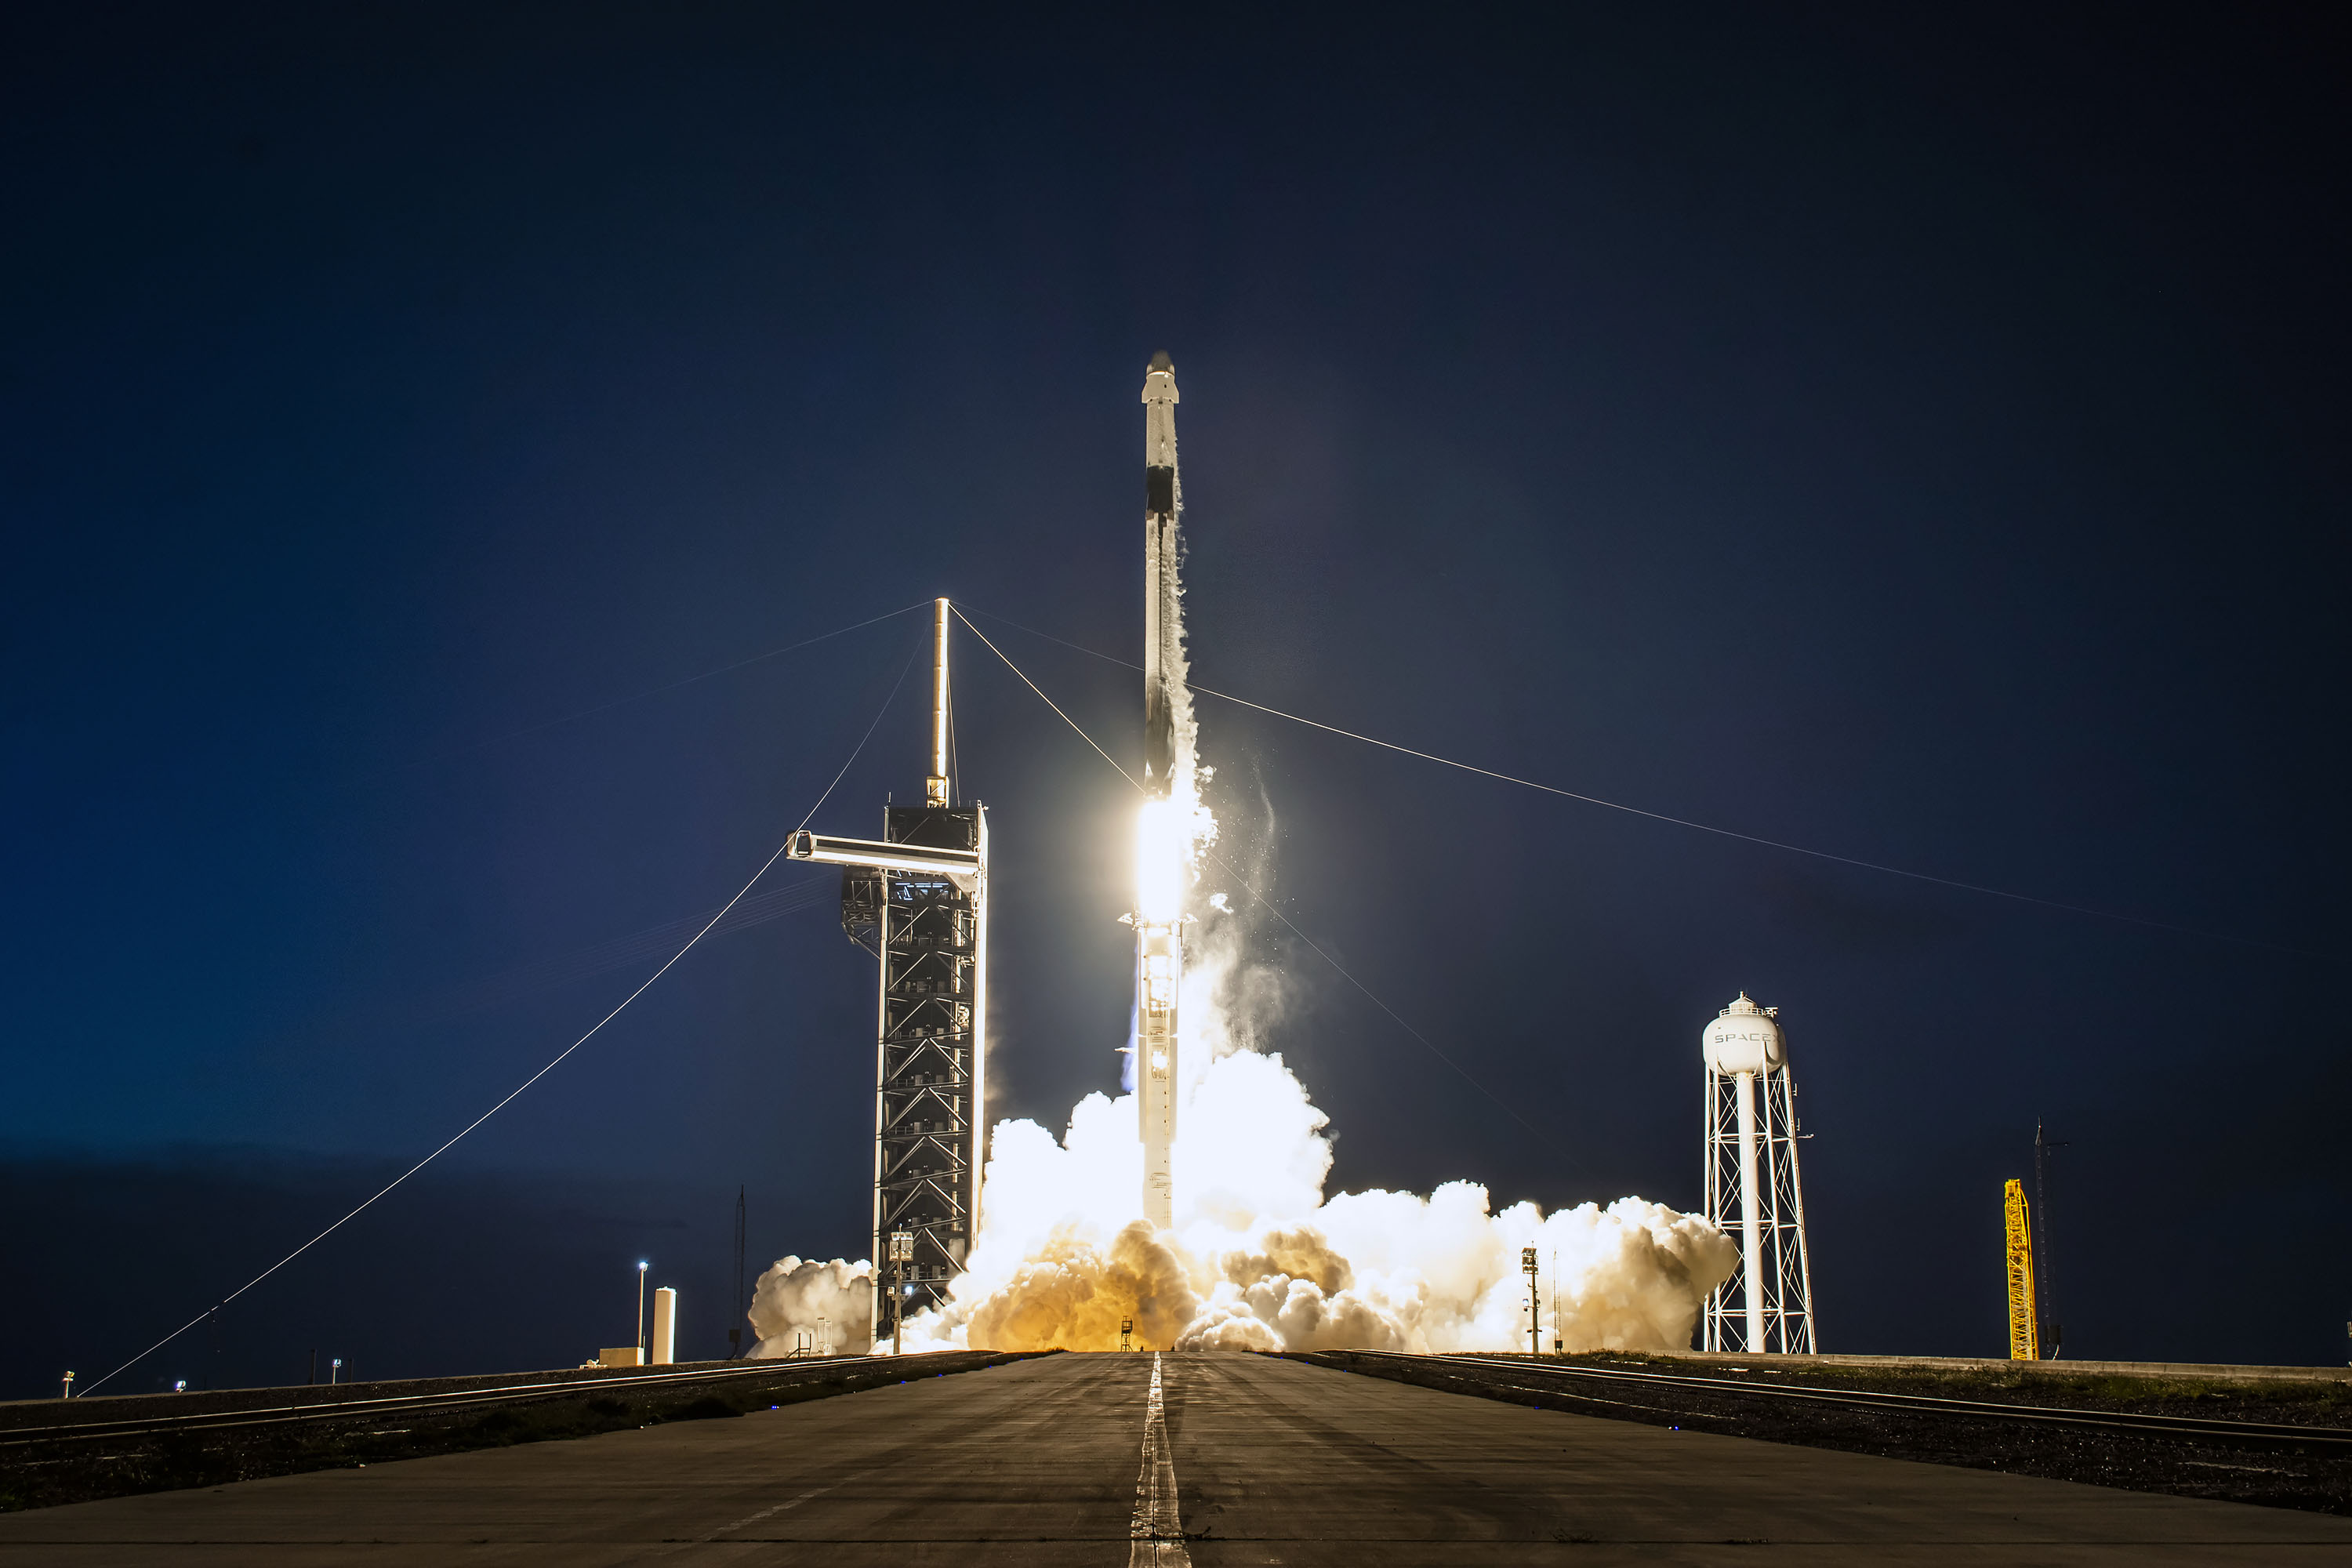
(1921, 440)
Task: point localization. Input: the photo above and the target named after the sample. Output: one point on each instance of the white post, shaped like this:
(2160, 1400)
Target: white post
(1751, 1222)
(665, 1326)
(1711, 1329)
(641, 1314)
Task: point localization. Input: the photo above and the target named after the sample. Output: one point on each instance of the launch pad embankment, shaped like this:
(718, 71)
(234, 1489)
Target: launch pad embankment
(2281, 1443)
(2216, 1370)
(57, 1451)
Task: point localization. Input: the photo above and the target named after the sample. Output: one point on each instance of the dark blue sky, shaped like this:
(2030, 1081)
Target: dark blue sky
(1924, 440)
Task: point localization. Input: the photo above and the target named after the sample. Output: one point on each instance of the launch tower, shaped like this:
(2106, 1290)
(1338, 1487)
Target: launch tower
(916, 899)
(1752, 1191)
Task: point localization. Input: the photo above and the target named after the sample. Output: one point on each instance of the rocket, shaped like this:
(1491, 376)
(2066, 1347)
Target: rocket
(1160, 609)
(1160, 844)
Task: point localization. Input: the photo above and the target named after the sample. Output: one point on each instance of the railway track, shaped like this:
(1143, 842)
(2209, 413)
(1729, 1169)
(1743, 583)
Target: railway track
(301, 1410)
(1626, 1379)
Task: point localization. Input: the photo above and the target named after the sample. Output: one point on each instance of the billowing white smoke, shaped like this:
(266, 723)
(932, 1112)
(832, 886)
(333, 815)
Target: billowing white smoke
(807, 1306)
(1257, 1258)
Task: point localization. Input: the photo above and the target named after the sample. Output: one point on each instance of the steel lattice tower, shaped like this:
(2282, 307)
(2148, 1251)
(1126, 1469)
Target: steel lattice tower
(930, 1054)
(916, 899)
(1753, 1192)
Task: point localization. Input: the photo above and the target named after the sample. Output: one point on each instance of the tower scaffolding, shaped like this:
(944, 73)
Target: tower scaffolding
(916, 899)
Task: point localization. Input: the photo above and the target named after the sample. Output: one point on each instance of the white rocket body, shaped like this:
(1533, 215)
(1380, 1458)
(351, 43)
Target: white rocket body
(1158, 924)
(1158, 966)
(1161, 618)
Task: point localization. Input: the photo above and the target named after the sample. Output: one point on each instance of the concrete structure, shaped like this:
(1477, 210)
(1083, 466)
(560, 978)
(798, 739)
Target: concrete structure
(620, 1355)
(916, 899)
(1040, 1463)
(664, 1348)
(1753, 1193)
(1159, 919)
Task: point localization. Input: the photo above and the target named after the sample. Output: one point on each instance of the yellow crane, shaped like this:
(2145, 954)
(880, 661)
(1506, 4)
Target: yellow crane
(2024, 1328)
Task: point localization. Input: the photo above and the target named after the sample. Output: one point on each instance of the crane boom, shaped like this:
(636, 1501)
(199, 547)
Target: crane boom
(2024, 1332)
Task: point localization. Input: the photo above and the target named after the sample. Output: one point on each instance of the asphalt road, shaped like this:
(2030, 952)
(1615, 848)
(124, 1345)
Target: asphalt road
(1056, 1461)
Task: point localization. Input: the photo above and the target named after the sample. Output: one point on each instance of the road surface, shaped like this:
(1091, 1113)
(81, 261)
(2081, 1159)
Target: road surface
(1240, 1460)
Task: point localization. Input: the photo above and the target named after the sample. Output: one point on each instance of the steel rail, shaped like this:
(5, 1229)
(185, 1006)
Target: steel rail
(394, 1404)
(2122, 1420)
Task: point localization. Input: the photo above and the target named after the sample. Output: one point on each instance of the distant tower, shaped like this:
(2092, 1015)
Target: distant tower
(1752, 1192)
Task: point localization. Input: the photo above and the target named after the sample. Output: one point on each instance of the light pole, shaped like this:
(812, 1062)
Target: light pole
(2045, 1288)
(735, 1335)
(1535, 1302)
(642, 1266)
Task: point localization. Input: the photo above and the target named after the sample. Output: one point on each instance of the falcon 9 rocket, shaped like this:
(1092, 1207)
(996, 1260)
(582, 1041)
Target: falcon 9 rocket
(1162, 825)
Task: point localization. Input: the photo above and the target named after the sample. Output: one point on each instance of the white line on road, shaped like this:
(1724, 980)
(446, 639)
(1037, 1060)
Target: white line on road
(751, 1519)
(1156, 1536)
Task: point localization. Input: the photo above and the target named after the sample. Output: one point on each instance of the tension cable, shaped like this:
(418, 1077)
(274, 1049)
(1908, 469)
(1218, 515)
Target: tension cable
(1680, 821)
(552, 1066)
(1268, 904)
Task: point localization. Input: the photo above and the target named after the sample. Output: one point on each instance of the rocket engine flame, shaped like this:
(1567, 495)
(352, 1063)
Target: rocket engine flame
(1163, 842)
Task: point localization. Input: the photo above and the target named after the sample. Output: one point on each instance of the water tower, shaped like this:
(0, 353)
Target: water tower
(1753, 1194)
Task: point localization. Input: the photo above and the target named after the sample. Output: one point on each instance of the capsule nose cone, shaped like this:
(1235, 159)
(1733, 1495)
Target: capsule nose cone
(1160, 362)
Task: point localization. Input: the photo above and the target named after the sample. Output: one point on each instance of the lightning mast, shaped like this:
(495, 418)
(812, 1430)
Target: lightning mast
(1159, 846)
(916, 899)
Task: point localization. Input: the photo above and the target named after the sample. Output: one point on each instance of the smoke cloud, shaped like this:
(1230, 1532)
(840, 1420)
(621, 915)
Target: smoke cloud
(1260, 1260)
(804, 1305)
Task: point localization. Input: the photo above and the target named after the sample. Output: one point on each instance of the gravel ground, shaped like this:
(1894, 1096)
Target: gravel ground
(2275, 1474)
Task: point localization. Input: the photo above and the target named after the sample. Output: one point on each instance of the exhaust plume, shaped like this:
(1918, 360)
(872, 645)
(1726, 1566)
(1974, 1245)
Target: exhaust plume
(828, 1305)
(1260, 1260)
